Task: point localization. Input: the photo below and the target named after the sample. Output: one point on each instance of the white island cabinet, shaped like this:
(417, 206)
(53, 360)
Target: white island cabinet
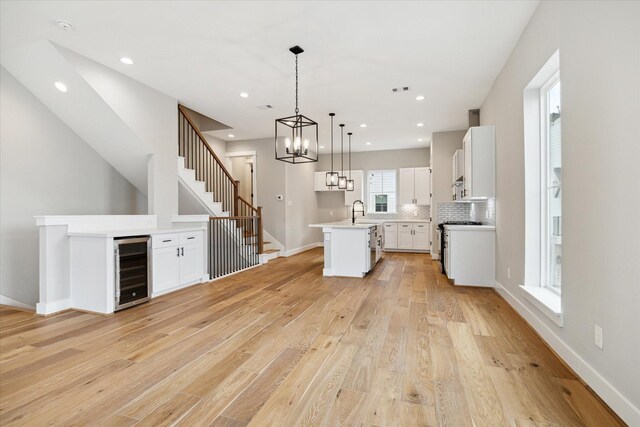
(350, 250)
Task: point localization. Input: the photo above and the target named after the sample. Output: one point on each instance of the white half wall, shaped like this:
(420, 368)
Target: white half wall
(599, 44)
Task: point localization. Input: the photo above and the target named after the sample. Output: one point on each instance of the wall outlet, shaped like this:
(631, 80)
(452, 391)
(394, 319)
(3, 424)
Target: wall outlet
(597, 339)
(415, 213)
(330, 213)
(508, 272)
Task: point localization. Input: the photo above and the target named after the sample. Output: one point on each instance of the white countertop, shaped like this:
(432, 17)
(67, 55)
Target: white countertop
(471, 227)
(132, 232)
(346, 224)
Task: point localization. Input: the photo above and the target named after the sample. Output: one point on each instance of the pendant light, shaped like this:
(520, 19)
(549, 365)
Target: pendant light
(350, 184)
(332, 177)
(342, 179)
(296, 137)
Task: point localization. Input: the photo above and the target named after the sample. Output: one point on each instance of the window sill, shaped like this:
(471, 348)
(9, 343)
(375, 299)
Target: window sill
(546, 301)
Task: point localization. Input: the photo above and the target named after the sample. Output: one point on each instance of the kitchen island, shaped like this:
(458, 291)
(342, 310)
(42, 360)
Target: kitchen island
(351, 250)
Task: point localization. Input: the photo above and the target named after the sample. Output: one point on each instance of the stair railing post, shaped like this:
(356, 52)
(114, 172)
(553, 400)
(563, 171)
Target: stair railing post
(260, 237)
(235, 198)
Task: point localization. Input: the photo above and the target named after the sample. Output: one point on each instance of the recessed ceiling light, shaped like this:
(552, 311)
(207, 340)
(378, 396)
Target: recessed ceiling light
(364, 125)
(322, 146)
(419, 98)
(231, 135)
(244, 94)
(61, 87)
(126, 60)
(420, 124)
(368, 143)
(419, 139)
(65, 25)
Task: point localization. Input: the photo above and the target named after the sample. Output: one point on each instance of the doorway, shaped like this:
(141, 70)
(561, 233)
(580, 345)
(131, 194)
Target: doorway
(242, 166)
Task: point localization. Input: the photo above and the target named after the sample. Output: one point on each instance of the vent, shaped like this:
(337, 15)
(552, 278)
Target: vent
(264, 107)
(400, 89)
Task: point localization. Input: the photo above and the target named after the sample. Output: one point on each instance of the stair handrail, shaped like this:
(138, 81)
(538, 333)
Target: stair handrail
(204, 142)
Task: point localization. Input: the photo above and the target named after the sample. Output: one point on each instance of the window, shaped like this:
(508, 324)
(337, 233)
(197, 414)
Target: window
(552, 176)
(543, 190)
(382, 191)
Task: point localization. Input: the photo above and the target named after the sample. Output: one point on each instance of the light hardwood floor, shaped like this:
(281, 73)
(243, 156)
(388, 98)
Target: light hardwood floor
(280, 345)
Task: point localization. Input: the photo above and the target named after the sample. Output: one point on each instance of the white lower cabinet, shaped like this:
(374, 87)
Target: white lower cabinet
(408, 236)
(178, 261)
(470, 255)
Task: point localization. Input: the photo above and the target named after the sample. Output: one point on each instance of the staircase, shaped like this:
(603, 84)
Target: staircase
(235, 226)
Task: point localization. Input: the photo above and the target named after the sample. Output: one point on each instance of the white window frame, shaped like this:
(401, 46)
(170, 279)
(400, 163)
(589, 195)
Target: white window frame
(534, 288)
(545, 262)
(371, 208)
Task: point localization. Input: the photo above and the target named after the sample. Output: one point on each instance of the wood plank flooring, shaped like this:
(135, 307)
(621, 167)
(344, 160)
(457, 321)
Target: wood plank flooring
(280, 345)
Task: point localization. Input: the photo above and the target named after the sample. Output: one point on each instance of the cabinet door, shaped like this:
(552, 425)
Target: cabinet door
(405, 236)
(468, 184)
(421, 236)
(166, 269)
(406, 186)
(391, 236)
(422, 186)
(191, 263)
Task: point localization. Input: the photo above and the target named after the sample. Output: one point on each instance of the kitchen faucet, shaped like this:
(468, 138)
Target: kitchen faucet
(353, 210)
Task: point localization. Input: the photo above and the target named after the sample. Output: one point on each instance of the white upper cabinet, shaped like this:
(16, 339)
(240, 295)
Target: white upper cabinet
(457, 174)
(414, 186)
(358, 188)
(479, 162)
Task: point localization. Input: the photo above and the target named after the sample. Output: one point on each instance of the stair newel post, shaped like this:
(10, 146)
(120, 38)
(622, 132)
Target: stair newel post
(235, 198)
(260, 237)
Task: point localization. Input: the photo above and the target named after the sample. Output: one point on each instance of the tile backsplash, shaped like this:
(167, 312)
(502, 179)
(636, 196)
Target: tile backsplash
(481, 211)
(404, 212)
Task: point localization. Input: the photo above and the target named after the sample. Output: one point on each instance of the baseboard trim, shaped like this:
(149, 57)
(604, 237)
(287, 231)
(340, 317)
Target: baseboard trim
(604, 390)
(46, 308)
(302, 249)
(10, 302)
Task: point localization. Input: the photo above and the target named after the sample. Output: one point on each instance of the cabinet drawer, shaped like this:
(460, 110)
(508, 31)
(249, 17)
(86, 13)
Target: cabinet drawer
(191, 237)
(391, 228)
(421, 226)
(403, 226)
(165, 240)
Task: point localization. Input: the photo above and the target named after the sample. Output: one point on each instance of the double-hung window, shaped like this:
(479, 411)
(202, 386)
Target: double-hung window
(381, 191)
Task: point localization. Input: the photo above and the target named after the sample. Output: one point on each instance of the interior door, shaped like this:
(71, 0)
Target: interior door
(422, 186)
(406, 186)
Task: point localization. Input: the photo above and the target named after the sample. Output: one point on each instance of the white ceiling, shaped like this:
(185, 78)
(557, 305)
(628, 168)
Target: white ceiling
(206, 53)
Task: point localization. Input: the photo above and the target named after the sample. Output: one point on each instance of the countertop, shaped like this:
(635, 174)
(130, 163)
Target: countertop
(132, 232)
(363, 223)
(471, 227)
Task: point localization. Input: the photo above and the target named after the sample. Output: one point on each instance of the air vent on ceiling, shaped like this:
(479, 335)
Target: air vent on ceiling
(400, 89)
(264, 107)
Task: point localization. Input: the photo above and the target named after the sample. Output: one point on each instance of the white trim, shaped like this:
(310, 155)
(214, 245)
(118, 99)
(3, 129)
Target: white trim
(254, 161)
(240, 153)
(53, 306)
(190, 218)
(605, 390)
(13, 303)
(545, 300)
(231, 274)
(266, 237)
(302, 249)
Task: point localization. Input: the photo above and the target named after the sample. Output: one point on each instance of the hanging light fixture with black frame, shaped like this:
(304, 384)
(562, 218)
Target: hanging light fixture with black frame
(332, 177)
(342, 179)
(350, 184)
(298, 140)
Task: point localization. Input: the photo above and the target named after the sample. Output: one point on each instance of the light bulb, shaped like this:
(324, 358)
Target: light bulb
(306, 144)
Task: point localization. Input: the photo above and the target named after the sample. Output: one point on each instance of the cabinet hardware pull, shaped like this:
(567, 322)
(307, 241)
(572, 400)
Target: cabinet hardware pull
(178, 251)
(191, 238)
(182, 251)
(165, 241)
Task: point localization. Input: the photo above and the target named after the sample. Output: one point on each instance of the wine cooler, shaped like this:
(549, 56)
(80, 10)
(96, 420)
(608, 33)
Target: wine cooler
(133, 271)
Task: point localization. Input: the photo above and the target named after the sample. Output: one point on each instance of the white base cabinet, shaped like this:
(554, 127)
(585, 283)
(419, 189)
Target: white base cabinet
(178, 261)
(470, 256)
(407, 236)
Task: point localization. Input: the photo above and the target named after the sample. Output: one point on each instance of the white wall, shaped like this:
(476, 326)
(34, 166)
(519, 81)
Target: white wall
(152, 116)
(46, 169)
(443, 146)
(302, 207)
(599, 45)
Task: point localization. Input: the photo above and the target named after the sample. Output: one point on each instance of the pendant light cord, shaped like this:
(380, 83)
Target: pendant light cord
(331, 142)
(297, 110)
(349, 155)
(342, 148)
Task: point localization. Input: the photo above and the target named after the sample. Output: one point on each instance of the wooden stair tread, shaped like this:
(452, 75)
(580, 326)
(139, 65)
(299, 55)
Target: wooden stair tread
(270, 251)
